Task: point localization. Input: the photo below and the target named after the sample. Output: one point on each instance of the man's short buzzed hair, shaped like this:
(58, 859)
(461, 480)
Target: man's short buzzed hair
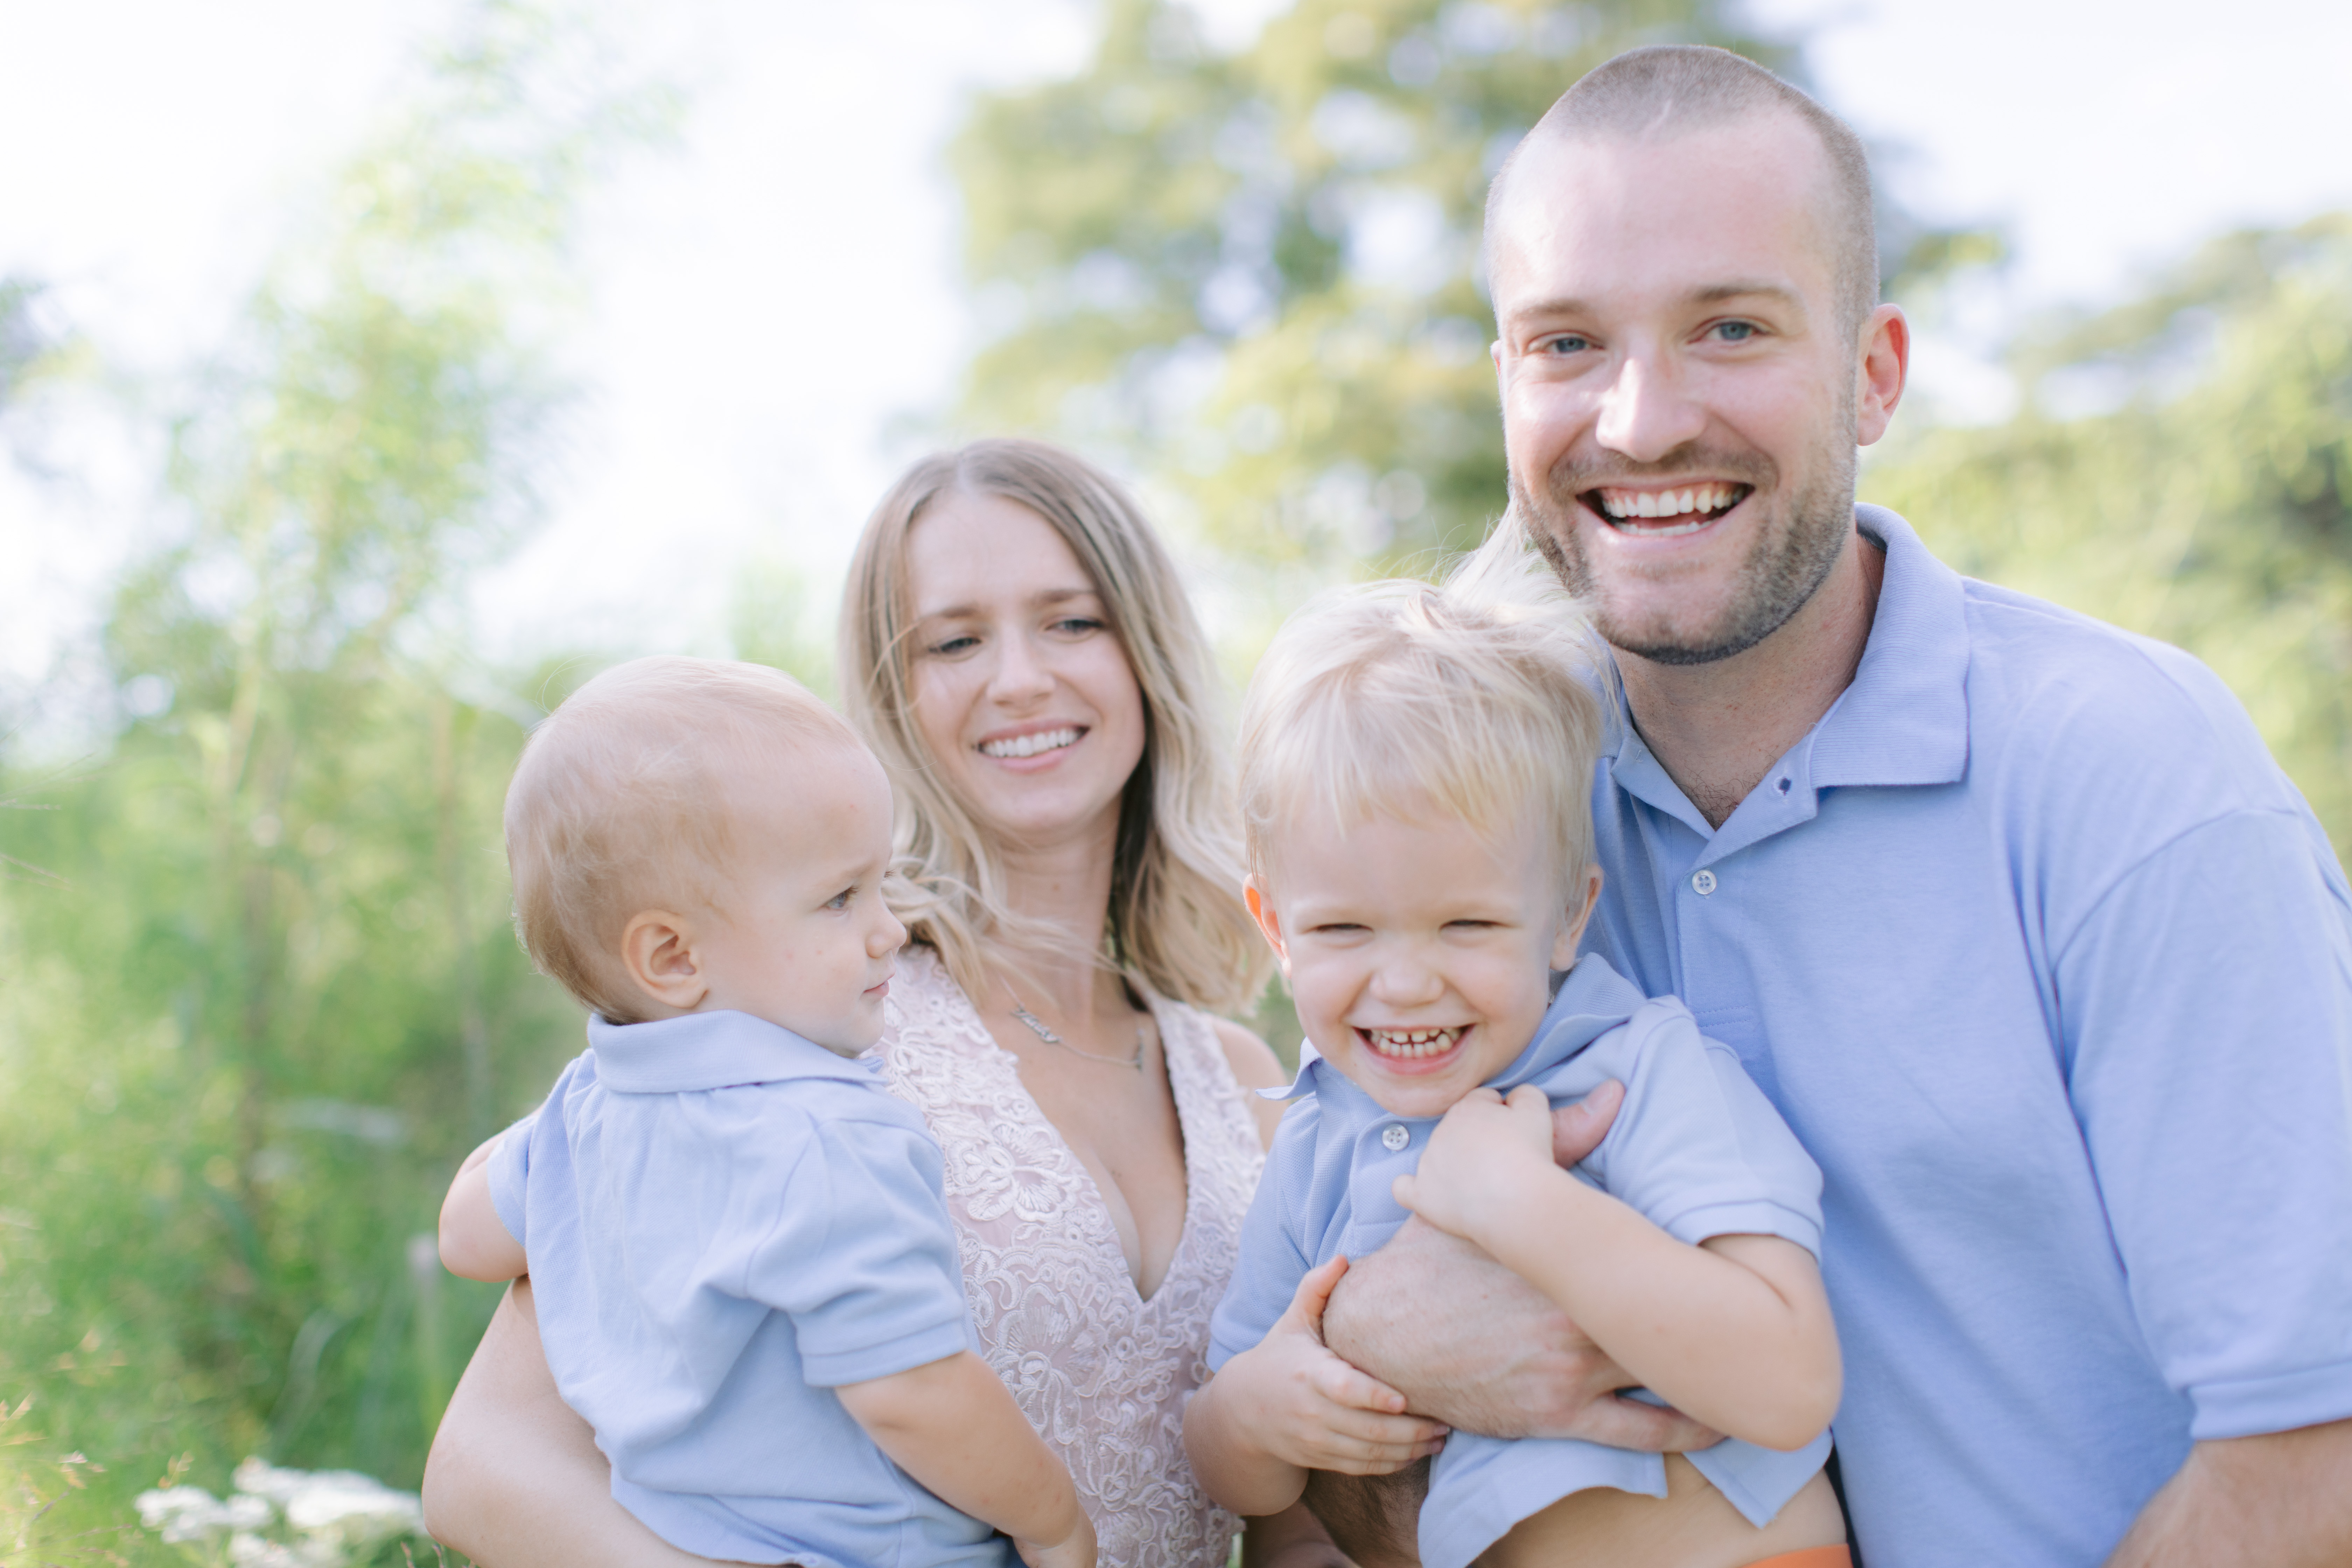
(1671, 88)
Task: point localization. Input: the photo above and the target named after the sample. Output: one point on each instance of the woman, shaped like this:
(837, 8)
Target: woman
(1016, 648)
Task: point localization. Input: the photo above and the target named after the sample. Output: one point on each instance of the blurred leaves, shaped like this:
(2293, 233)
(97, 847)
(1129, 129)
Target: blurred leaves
(2181, 466)
(1256, 276)
(276, 997)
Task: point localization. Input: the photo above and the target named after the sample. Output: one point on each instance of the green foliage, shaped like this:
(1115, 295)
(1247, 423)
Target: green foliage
(266, 995)
(2201, 492)
(1182, 253)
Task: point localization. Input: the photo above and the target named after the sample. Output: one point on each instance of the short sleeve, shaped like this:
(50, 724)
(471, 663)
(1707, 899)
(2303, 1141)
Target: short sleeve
(862, 1256)
(1697, 1149)
(508, 1170)
(1269, 1261)
(2205, 1010)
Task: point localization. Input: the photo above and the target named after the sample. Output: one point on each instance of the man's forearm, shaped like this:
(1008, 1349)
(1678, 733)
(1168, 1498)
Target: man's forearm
(2280, 1500)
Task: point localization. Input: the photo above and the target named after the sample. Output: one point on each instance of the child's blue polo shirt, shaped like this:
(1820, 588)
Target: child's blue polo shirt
(1695, 1148)
(724, 1221)
(2049, 967)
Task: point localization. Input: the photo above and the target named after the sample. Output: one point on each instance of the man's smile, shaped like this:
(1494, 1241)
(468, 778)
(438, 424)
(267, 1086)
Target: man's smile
(1655, 513)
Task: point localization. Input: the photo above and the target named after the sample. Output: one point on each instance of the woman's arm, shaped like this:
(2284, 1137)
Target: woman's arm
(1736, 1332)
(514, 1479)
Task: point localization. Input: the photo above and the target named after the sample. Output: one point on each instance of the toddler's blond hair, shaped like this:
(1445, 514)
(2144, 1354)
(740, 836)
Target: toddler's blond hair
(625, 800)
(1479, 699)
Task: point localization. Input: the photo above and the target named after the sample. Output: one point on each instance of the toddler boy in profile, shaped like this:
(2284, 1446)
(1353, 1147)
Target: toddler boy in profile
(1417, 766)
(745, 1275)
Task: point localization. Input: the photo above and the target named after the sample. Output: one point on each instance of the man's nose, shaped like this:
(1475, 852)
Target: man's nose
(1645, 413)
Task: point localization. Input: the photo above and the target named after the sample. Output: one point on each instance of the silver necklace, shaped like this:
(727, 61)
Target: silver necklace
(1037, 1027)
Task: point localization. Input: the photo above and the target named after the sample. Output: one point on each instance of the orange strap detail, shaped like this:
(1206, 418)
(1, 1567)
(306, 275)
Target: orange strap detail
(1810, 1557)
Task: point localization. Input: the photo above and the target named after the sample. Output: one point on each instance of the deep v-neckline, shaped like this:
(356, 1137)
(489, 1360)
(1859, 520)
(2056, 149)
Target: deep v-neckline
(1177, 1092)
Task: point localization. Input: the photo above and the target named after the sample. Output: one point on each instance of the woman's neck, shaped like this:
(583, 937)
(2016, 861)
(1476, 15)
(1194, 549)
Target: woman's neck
(1063, 886)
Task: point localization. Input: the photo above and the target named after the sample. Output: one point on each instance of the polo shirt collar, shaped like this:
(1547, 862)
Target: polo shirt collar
(1903, 719)
(710, 1050)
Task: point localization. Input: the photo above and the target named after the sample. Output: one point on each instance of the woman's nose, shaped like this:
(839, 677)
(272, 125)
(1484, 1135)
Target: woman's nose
(1019, 674)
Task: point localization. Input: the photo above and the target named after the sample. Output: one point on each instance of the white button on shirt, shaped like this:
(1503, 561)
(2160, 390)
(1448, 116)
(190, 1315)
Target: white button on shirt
(1702, 883)
(1394, 1137)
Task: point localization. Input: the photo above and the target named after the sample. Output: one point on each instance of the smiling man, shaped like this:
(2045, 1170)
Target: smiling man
(2009, 912)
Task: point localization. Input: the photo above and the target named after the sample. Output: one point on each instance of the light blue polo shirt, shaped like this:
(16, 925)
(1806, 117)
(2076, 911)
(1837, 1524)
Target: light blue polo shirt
(2051, 969)
(724, 1221)
(1695, 1148)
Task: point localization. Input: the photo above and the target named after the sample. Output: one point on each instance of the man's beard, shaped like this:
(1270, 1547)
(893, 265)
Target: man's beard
(1784, 568)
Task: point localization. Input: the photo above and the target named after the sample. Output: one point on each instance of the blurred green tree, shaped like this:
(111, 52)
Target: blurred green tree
(242, 1047)
(1255, 275)
(2181, 465)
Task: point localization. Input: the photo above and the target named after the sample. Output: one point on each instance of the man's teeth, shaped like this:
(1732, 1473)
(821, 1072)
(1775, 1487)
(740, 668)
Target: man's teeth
(1700, 499)
(1030, 745)
(1411, 1043)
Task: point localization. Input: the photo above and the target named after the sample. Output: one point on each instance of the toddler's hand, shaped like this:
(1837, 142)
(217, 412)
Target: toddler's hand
(1484, 1152)
(1306, 1406)
(1076, 1550)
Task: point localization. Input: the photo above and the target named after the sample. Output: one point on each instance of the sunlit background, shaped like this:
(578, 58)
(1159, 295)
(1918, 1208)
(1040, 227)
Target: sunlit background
(370, 373)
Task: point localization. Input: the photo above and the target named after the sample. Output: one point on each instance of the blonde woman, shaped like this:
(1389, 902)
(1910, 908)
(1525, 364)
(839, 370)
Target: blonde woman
(1016, 648)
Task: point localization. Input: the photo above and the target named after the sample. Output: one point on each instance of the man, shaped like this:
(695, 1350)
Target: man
(2009, 912)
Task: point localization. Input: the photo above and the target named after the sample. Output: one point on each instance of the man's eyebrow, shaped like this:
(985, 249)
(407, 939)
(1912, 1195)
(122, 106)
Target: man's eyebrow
(1710, 294)
(1747, 288)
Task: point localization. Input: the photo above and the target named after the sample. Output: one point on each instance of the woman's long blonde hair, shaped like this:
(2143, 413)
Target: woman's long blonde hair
(1176, 921)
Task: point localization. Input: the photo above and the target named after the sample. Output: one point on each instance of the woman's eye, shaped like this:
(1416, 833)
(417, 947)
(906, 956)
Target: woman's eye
(1077, 626)
(952, 647)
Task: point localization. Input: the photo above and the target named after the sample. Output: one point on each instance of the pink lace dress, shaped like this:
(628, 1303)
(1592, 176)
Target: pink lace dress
(1099, 1370)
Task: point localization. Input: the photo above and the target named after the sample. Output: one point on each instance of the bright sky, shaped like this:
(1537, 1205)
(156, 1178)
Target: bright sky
(777, 296)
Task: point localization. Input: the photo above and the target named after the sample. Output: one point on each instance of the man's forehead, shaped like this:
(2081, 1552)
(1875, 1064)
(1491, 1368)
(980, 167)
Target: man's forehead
(1743, 200)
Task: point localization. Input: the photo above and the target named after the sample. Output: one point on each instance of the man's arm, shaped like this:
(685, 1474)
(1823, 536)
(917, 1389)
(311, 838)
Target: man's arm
(1470, 1343)
(2280, 1500)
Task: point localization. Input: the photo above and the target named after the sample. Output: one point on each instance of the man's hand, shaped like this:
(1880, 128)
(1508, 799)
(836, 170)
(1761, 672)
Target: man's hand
(1472, 1344)
(2280, 1500)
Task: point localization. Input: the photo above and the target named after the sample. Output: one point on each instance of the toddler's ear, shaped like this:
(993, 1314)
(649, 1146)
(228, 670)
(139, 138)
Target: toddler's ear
(658, 949)
(1576, 916)
(1269, 919)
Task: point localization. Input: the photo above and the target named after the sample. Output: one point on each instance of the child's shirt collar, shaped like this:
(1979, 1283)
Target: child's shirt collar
(717, 1050)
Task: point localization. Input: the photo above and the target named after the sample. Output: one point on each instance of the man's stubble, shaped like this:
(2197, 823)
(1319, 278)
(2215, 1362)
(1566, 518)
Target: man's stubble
(1785, 565)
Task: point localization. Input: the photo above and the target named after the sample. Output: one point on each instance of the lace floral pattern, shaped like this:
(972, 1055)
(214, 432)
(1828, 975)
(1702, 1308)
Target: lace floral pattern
(1102, 1372)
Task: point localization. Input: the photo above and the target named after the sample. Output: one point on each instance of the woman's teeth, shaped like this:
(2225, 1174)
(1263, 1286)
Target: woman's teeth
(1409, 1045)
(1030, 745)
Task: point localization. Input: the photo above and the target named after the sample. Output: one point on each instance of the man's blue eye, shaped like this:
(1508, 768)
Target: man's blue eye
(1736, 331)
(1570, 344)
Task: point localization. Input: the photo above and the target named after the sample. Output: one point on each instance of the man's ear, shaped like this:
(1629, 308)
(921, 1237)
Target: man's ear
(1882, 364)
(1269, 921)
(1577, 915)
(658, 950)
